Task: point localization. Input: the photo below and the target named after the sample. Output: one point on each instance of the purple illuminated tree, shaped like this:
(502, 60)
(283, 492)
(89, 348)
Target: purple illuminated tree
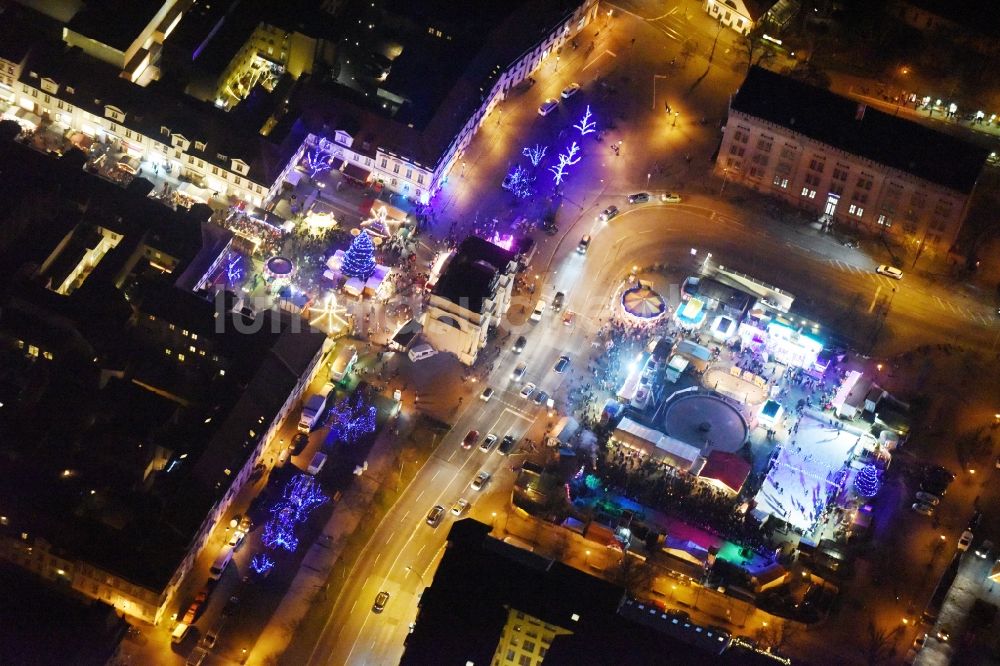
(351, 420)
(300, 496)
(279, 532)
(586, 125)
(303, 495)
(535, 153)
(359, 260)
(519, 182)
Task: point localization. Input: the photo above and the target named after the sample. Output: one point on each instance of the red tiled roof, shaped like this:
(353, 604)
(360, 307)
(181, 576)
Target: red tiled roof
(726, 468)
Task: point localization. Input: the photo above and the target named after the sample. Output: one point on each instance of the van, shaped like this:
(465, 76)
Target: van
(180, 632)
(221, 562)
(539, 309)
(420, 352)
(316, 464)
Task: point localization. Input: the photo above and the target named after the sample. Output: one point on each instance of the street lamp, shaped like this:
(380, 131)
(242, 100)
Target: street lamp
(493, 523)
(586, 560)
(676, 113)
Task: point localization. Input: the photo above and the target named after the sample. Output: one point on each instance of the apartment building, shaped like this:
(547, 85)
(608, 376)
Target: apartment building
(135, 410)
(850, 165)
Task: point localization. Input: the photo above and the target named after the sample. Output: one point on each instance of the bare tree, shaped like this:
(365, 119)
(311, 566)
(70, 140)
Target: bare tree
(879, 644)
(754, 47)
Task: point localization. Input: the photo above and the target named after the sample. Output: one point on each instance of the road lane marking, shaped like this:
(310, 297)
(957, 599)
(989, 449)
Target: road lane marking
(420, 495)
(405, 515)
(871, 308)
(377, 556)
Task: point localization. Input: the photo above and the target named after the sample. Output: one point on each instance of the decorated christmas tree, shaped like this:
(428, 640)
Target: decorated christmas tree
(359, 260)
(866, 482)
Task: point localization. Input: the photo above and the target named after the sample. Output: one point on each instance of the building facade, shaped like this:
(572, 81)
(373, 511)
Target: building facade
(848, 164)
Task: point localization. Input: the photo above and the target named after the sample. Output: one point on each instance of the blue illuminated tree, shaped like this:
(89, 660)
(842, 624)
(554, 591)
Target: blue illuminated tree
(233, 270)
(558, 171)
(303, 495)
(351, 420)
(867, 482)
(300, 496)
(317, 161)
(359, 260)
(567, 159)
(261, 563)
(279, 532)
(535, 153)
(586, 125)
(519, 182)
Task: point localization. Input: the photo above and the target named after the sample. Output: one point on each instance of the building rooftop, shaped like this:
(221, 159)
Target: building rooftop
(20, 29)
(470, 276)
(853, 127)
(116, 23)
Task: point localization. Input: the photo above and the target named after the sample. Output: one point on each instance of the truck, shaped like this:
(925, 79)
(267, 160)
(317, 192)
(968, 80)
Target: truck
(312, 410)
(343, 363)
(563, 431)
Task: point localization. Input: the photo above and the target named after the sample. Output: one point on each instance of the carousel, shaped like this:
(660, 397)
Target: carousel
(279, 269)
(641, 303)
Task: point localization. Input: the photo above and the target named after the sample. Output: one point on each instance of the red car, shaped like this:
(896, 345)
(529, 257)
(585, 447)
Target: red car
(470, 439)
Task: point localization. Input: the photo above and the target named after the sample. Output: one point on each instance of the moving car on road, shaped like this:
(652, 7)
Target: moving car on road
(507, 445)
(584, 244)
(460, 507)
(470, 439)
(569, 318)
(380, 601)
(670, 197)
(548, 106)
(480, 480)
(638, 197)
(488, 443)
(570, 90)
(965, 540)
(536, 315)
(435, 515)
(889, 271)
(608, 214)
(519, 344)
(558, 301)
(528, 389)
(541, 397)
(518, 372)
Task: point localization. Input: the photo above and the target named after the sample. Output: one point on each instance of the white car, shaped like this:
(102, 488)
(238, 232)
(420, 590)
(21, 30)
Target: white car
(548, 106)
(486, 394)
(965, 540)
(528, 389)
(460, 507)
(488, 443)
(890, 271)
(480, 480)
(539, 310)
(518, 372)
(570, 90)
(670, 197)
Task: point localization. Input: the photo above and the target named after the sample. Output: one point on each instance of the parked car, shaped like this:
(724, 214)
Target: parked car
(460, 507)
(541, 397)
(548, 106)
(638, 197)
(608, 213)
(197, 657)
(486, 394)
(528, 389)
(236, 540)
(965, 540)
(518, 372)
(488, 442)
(984, 549)
(570, 90)
(561, 364)
(480, 480)
(209, 639)
(435, 515)
(670, 197)
(923, 509)
(471, 438)
(299, 441)
(558, 301)
(519, 344)
(889, 271)
(584, 244)
(927, 498)
(380, 601)
(536, 314)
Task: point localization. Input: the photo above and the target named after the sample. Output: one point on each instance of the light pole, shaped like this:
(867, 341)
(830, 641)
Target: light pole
(586, 560)
(648, 176)
(676, 113)
(419, 575)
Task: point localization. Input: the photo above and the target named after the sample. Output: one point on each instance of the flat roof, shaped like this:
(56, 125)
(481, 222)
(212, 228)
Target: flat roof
(116, 23)
(855, 128)
(469, 277)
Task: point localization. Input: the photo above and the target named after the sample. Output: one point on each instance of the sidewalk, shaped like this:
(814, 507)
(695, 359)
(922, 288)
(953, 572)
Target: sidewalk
(312, 575)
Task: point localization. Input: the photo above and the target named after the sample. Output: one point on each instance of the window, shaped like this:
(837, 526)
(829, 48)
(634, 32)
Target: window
(167, 352)
(839, 174)
(384, 162)
(236, 179)
(787, 153)
(855, 210)
(837, 189)
(524, 660)
(864, 183)
(215, 170)
(180, 357)
(199, 145)
(164, 130)
(420, 179)
(190, 159)
(806, 192)
(812, 180)
(764, 145)
(510, 655)
(816, 165)
(528, 646)
(172, 327)
(409, 174)
(395, 168)
(736, 150)
(781, 182)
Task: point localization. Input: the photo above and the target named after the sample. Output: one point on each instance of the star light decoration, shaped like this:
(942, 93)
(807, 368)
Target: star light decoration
(535, 153)
(330, 316)
(519, 182)
(586, 125)
(300, 496)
